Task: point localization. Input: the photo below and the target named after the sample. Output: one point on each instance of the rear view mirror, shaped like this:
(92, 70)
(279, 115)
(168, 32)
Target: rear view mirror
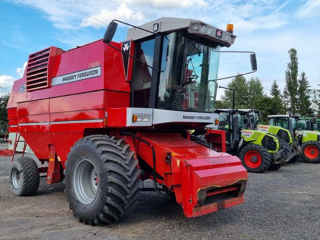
(112, 27)
(253, 61)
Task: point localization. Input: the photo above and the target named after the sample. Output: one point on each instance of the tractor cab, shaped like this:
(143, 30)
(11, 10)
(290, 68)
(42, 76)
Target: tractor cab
(304, 123)
(175, 67)
(285, 121)
(315, 124)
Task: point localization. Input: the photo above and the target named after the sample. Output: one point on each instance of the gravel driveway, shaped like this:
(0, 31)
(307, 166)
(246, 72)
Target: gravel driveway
(284, 204)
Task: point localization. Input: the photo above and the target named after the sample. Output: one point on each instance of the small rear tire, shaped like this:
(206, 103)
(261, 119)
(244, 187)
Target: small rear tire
(255, 158)
(24, 178)
(311, 152)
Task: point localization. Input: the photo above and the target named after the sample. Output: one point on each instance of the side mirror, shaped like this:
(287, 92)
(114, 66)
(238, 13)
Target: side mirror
(112, 27)
(253, 61)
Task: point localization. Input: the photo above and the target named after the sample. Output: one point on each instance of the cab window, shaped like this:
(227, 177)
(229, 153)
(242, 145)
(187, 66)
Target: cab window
(141, 82)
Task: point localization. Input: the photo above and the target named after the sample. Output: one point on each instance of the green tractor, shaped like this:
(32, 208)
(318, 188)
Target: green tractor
(259, 151)
(252, 118)
(308, 123)
(307, 141)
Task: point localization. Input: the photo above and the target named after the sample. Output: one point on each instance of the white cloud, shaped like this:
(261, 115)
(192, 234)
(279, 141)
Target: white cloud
(310, 9)
(20, 70)
(165, 4)
(104, 16)
(5, 84)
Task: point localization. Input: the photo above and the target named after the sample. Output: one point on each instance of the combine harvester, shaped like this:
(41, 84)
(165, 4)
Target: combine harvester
(107, 115)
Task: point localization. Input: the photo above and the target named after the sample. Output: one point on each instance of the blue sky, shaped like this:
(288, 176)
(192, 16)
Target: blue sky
(268, 27)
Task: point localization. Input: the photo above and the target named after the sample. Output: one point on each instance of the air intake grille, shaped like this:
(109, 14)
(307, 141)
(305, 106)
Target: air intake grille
(37, 70)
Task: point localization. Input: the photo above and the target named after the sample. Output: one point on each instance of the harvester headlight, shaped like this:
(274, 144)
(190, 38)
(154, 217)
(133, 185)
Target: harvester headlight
(195, 27)
(141, 117)
(203, 29)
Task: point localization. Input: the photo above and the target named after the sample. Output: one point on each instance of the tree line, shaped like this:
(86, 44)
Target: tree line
(296, 98)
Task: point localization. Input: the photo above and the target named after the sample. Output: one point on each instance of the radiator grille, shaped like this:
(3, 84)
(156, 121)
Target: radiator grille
(37, 70)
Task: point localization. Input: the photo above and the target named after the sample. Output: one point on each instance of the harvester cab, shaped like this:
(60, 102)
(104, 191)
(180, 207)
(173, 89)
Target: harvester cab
(107, 115)
(306, 142)
(259, 151)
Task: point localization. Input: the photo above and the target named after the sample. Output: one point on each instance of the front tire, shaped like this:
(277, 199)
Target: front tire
(24, 177)
(311, 152)
(102, 179)
(255, 158)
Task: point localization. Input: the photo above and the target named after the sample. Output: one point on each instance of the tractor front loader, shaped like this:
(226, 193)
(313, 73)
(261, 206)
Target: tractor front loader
(105, 116)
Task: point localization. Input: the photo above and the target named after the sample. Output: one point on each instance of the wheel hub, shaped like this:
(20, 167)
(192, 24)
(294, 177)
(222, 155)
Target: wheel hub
(254, 159)
(16, 178)
(85, 181)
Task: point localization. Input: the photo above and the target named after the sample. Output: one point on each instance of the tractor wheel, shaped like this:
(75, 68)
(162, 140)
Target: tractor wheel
(311, 152)
(255, 158)
(102, 179)
(24, 177)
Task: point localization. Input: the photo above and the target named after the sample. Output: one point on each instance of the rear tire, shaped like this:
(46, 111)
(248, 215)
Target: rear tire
(102, 179)
(255, 158)
(24, 177)
(311, 152)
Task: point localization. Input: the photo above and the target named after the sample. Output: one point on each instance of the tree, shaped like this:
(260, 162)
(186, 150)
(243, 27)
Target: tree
(275, 91)
(291, 89)
(304, 101)
(276, 95)
(267, 106)
(255, 92)
(3, 111)
(240, 86)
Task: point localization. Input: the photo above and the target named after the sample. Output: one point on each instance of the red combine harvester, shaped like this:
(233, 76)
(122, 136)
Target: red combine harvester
(107, 115)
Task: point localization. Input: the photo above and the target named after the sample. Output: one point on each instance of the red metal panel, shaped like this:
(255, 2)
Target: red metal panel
(35, 107)
(117, 117)
(116, 99)
(81, 101)
(77, 115)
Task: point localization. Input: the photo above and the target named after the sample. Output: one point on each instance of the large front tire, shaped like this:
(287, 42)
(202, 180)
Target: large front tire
(24, 178)
(255, 158)
(311, 152)
(102, 179)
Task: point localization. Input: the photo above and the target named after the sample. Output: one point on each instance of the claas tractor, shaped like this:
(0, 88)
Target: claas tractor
(308, 141)
(259, 151)
(289, 148)
(108, 115)
(308, 123)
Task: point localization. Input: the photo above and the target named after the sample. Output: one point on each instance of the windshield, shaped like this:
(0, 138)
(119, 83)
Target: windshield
(188, 73)
(302, 124)
(316, 126)
(280, 122)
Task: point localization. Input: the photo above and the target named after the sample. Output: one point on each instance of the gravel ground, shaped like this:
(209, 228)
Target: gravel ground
(278, 205)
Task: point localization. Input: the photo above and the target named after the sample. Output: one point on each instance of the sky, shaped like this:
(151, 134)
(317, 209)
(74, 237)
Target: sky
(268, 27)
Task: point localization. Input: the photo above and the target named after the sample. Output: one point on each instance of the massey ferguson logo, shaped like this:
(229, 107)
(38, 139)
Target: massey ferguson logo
(125, 56)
